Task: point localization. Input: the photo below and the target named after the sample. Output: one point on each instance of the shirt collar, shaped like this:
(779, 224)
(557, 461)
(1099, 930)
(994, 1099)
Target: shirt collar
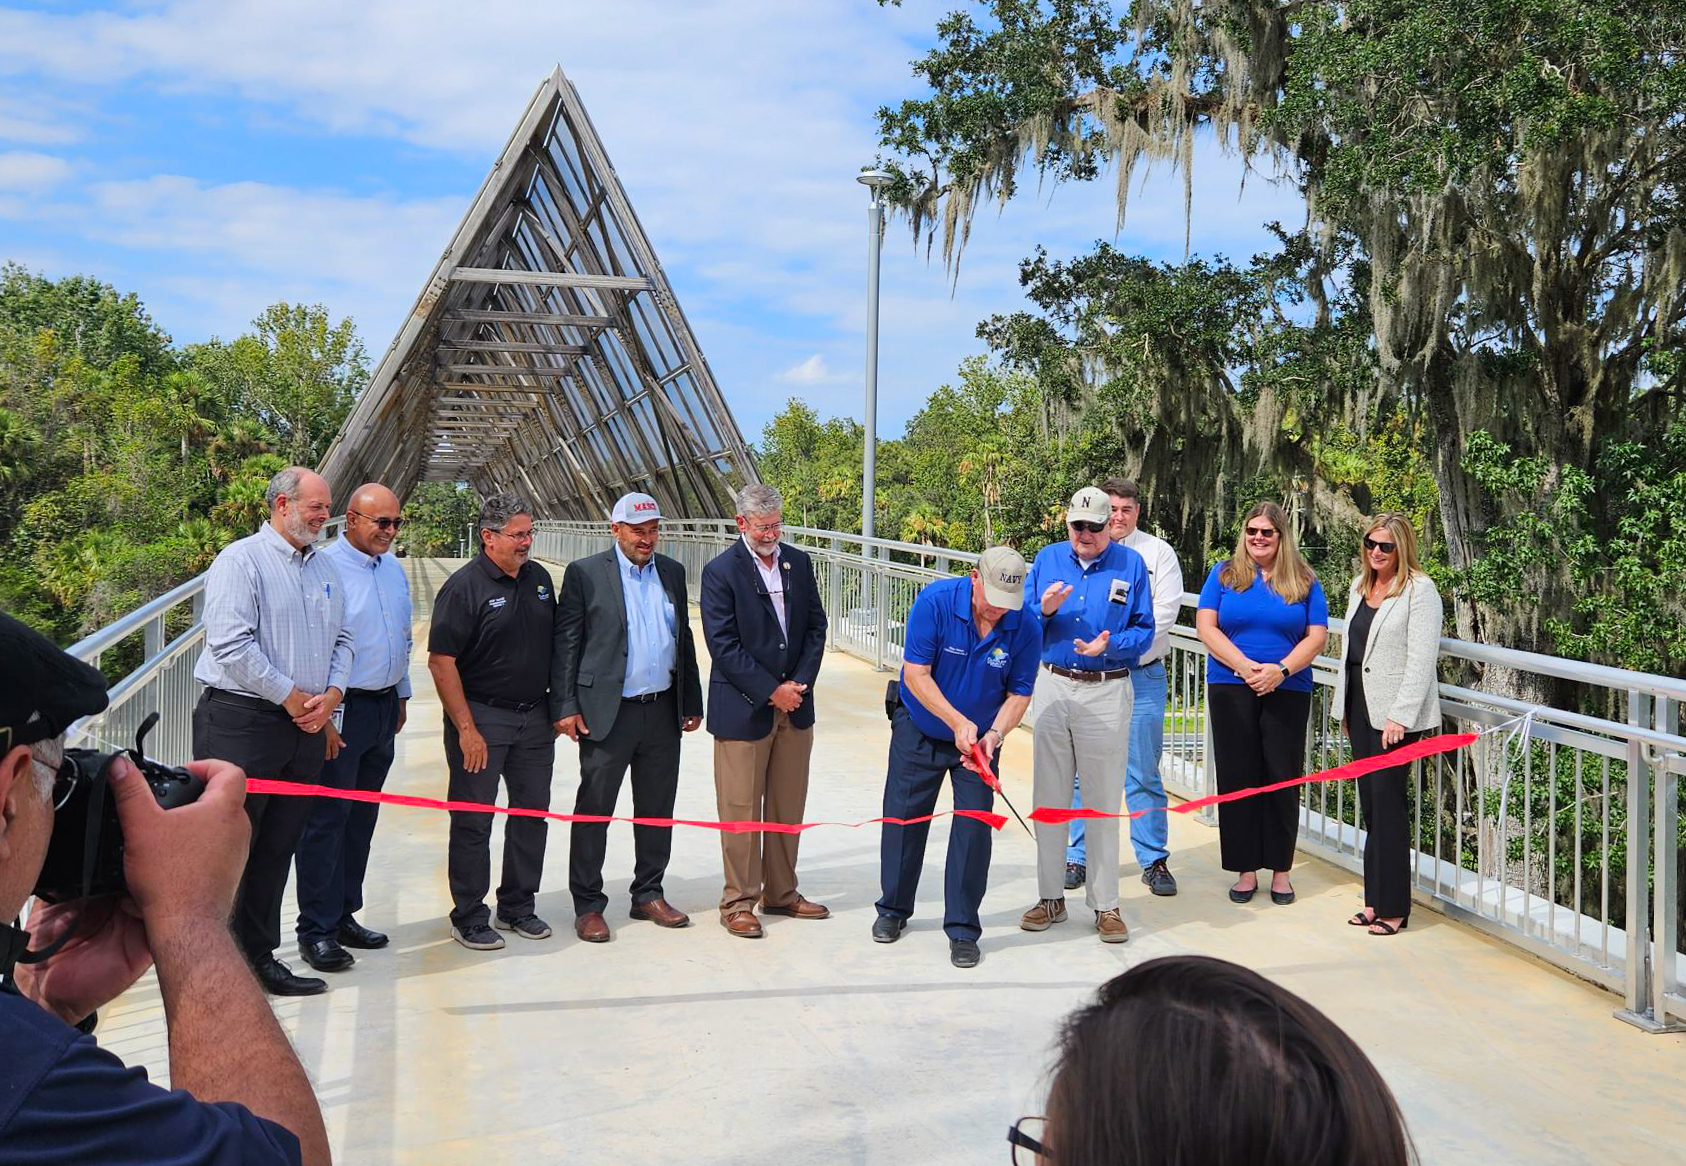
(496, 572)
(277, 541)
(361, 558)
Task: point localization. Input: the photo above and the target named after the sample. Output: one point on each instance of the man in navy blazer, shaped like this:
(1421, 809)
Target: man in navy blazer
(765, 631)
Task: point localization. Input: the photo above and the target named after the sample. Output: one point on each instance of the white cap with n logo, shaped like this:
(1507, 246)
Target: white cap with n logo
(1002, 570)
(635, 508)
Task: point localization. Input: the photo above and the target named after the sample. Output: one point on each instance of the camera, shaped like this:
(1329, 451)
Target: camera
(85, 855)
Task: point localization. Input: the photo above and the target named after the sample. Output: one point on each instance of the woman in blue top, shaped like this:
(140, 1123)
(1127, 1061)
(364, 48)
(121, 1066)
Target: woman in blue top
(1263, 618)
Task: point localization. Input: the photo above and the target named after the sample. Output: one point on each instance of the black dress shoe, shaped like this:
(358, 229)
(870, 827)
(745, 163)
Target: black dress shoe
(887, 928)
(354, 934)
(278, 980)
(325, 955)
(963, 953)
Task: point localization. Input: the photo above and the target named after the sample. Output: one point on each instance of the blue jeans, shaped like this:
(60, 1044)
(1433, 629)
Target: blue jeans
(1142, 786)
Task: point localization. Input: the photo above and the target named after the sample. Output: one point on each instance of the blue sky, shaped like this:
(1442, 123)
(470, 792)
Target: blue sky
(215, 156)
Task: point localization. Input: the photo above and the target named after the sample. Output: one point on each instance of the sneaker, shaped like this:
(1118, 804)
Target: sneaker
(1111, 926)
(887, 929)
(527, 927)
(1074, 875)
(963, 953)
(1044, 915)
(477, 936)
(1159, 879)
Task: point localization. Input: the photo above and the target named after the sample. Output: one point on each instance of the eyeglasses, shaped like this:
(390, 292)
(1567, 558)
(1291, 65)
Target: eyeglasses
(383, 523)
(1021, 1138)
(525, 536)
(1090, 527)
(1261, 532)
(64, 780)
(1371, 544)
(763, 527)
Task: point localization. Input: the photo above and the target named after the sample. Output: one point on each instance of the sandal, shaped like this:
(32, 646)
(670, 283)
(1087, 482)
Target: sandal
(1359, 919)
(1388, 928)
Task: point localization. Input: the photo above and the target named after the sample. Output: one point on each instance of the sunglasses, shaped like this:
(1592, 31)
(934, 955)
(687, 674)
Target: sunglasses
(1090, 527)
(1261, 532)
(1371, 544)
(383, 523)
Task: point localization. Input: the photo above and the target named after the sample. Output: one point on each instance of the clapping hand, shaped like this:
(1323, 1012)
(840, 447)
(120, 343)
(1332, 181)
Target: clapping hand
(1094, 647)
(1054, 596)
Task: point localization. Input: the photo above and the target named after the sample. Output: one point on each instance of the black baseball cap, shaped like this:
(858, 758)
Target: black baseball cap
(43, 689)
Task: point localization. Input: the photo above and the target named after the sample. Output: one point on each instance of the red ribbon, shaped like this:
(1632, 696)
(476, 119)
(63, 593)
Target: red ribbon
(1428, 747)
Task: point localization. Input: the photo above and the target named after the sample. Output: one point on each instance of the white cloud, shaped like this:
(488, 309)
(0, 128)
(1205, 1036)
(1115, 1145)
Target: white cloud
(813, 371)
(28, 172)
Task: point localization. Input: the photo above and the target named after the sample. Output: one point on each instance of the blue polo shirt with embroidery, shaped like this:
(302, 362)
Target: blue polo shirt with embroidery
(975, 675)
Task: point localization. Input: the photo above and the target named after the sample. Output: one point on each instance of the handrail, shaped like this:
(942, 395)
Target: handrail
(90, 647)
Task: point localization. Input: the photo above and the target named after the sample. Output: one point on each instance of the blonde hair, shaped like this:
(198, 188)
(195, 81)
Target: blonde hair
(1291, 577)
(1404, 538)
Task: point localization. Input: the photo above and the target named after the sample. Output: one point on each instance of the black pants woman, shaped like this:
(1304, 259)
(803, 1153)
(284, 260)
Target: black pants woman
(1384, 810)
(1258, 740)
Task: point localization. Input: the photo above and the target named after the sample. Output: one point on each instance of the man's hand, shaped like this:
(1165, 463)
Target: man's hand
(403, 713)
(572, 727)
(1054, 596)
(182, 865)
(335, 741)
(1392, 733)
(295, 703)
(317, 710)
(1094, 647)
(965, 736)
(689, 724)
(473, 749)
(1264, 679)
(107, 954)
(787, 697)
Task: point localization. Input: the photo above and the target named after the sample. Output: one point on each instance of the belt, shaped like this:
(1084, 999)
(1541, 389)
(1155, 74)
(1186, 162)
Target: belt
(372, 692)
(240, 700)
(647, 697)
(514, 706)
(1087, 677)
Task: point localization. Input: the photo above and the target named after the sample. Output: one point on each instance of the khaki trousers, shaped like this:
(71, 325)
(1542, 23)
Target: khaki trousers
(1082, 728)
(761, 781)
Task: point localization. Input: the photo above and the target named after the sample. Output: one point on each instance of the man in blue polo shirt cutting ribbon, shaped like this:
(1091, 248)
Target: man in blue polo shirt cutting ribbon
(968, 670)
(1096, 602)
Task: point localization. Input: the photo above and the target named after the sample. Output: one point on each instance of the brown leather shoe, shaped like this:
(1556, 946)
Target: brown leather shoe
(1044, 915)
(659, 912)
(1111, 926)
(798, 908)
(592, 927)
(742, 924)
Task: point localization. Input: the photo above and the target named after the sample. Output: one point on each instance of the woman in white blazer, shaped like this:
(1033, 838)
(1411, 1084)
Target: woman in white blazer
(1386, 695)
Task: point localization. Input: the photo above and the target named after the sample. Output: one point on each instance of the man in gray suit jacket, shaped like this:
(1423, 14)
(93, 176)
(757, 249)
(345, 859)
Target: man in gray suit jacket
(629, 686)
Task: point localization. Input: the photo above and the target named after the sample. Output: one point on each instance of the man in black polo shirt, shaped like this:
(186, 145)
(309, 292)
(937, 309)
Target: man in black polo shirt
(490, 650)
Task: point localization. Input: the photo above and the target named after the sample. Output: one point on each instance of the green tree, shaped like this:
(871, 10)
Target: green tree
(436, 514)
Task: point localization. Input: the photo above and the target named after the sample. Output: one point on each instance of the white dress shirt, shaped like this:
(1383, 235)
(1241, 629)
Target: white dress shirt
(1167, 578)
(773, 578)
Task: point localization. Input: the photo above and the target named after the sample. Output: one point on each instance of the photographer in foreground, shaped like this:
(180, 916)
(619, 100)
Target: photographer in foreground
(240, 1094)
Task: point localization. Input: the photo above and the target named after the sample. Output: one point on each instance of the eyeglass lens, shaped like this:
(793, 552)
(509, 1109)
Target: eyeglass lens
(383, 523)
(1261, 532)
(1371, 544)
(1091, 527)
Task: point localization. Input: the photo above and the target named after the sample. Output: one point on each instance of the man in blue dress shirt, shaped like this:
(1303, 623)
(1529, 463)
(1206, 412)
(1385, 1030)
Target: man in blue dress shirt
(1097, 620)
(334, 848)
(968, 671)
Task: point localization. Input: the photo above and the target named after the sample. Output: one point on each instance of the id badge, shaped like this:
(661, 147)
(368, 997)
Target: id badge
(1119, 591)
(338, 718)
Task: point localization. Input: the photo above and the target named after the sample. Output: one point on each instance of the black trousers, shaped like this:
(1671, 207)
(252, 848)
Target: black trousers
(333, 853)
(1258, 740)
(520, 748)
(918, 765)
(646, 740)
(265, 743)
(1384, 810)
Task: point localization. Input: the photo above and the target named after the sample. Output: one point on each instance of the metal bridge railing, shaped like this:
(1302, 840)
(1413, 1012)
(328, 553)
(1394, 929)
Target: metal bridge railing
(1564, 839)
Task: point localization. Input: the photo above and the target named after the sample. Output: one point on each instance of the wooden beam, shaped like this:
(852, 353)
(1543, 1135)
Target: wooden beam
(508, 370)
(630, 283)
(495, 387)
(561, 320)
(508, 346)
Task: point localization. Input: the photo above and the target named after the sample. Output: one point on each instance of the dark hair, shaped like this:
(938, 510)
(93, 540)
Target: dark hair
(1122, 488)
(1193, 1061)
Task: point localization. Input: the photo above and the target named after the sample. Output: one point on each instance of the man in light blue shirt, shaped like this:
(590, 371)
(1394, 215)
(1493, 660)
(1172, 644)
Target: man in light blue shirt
(333, 851)
(650, 647)
(1096, 602)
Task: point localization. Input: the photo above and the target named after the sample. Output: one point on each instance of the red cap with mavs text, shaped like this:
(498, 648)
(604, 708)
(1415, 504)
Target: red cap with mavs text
(635, 508)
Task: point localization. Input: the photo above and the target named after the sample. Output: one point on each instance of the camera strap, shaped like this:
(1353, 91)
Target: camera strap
(14, 948)
(14, 941)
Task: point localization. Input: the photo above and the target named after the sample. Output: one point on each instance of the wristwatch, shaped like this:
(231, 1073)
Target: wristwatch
(1285, 672)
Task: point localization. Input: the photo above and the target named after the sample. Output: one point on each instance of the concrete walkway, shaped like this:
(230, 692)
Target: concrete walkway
(815, 1045)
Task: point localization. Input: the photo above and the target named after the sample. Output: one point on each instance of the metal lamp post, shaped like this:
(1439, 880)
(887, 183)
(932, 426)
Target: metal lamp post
(875, 181)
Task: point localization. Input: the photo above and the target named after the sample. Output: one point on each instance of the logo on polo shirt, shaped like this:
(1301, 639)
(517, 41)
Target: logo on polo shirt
(497, 601)
(997, 657)
(951, 648)
(544, 592)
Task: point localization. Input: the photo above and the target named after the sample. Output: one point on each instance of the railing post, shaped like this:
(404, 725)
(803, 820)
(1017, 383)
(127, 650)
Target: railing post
(1638, 970)
(881, 606)
(1665, 855)
(154, 636)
